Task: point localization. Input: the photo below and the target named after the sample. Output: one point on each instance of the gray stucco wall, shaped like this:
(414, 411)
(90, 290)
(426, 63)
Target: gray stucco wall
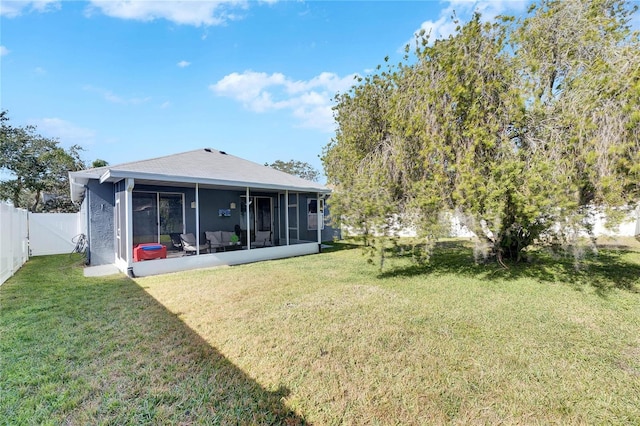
(328, 233)
(100, 198)
(211, 201)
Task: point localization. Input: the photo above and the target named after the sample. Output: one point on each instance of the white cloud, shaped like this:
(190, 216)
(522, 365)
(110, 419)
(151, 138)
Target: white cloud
(196, 13)
(165, 104)
(4, 51)
(13, 8)
(68, 133)
(309, 101)
(117, 99)
(183, 64)
(39, 71)
(440, 29)
(444, 26)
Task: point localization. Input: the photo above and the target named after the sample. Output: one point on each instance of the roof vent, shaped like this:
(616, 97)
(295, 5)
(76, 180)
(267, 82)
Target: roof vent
(223, 153)
(208, 149)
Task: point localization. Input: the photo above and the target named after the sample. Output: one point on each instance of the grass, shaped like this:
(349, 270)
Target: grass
(102, 351)
(326, 339)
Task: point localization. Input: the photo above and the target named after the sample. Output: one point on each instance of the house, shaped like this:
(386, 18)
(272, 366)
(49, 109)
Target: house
(273, 214)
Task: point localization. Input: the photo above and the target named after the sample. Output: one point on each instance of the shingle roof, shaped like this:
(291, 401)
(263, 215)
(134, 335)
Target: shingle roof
(204, 166)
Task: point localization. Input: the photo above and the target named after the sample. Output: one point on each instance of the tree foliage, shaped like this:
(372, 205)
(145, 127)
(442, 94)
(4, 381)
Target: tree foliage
(36, 167)
(297, 168)
(515, 125)
(99, 163)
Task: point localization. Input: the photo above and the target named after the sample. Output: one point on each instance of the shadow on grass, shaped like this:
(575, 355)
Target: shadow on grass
(607, 270)
(339, 246)
(102, 351)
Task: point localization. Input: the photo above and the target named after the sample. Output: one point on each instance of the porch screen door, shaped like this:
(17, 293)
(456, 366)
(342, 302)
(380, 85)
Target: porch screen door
(260, 211)
(145, 217)
(170, 214)
(120, 224)
(156, 215)
(263, 214)
(292, 206)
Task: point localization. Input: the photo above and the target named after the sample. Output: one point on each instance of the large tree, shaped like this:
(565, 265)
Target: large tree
(35, 166)
(515, 125)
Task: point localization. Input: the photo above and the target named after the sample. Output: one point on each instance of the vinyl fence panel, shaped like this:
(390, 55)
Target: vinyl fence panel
(52, 233)
(14, 246)
(626, 228)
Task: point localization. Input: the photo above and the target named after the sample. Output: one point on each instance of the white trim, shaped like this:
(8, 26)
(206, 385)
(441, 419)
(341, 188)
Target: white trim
(197, 219)
(297, 207)
(129, 185)
(117, 226)
(158, 194)
(313, 220)
(319, 217)
(286, 215)
(247, 205)
(280, 226)
(116, 175)
(158, 217)
(105, 176)
(163, 266)
(121, 265)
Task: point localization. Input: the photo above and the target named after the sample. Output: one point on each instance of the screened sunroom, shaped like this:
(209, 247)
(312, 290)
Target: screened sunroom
(220, 210)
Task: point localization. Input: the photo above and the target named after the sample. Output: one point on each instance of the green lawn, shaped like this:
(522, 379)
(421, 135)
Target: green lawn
(326, 339)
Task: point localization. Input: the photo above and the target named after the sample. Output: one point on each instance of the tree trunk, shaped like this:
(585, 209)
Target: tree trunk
(37, 200)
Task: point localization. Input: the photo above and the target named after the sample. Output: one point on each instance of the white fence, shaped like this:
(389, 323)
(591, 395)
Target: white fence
(629, 227)
(52, 233)
(14, 246)
(24, 234)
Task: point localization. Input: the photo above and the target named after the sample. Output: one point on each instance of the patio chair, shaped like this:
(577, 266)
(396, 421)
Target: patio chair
(189, 244)
(220, 240)
(263, 239)
(176, 241)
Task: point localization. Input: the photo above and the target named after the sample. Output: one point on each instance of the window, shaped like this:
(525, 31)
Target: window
(156, 214)
(312, 214)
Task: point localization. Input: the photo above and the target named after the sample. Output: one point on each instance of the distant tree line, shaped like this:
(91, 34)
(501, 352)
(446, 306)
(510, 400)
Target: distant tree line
(296, 168)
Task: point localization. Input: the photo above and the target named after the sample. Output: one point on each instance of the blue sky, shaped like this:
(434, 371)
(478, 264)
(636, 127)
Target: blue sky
(129, 80)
